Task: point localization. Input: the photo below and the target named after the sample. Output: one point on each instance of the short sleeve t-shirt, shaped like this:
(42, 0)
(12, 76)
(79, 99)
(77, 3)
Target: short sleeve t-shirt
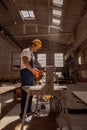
(26, 52)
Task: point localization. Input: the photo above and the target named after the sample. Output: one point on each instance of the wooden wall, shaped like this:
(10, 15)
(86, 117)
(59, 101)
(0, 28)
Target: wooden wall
(6, 48)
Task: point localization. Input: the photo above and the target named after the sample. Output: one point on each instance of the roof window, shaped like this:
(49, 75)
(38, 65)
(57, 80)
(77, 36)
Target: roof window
(27, 14)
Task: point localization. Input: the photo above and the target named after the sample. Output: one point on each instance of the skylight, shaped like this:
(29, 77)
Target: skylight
(27, 14)
(58, 2)
(57, 13)
(56, 21)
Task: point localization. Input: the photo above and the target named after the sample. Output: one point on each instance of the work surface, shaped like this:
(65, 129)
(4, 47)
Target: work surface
(43, 89)
(39, 87)
(7, 88)
(36, 87)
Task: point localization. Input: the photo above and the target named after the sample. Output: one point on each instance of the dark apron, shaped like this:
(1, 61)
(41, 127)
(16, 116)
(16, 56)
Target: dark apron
(27, 79)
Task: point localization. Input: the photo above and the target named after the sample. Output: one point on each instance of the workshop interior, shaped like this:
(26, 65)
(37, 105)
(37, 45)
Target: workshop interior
(54, 34)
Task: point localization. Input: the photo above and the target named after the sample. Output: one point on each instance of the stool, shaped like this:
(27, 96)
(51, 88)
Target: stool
(31, 90)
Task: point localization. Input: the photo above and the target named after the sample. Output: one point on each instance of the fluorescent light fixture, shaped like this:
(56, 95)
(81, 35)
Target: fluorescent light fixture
(27, 14)
(58, 2)
(56, 21)
(57, 13)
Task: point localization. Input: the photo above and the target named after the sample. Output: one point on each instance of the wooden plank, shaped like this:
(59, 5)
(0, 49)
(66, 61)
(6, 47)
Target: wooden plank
(81, 95)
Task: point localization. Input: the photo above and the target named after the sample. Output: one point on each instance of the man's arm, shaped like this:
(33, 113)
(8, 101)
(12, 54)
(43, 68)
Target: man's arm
(26, 63)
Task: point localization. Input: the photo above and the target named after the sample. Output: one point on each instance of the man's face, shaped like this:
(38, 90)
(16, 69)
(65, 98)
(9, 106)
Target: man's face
(35, 48)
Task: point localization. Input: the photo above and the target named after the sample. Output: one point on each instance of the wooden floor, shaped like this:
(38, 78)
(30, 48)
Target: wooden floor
(43, 123)
(37, 123)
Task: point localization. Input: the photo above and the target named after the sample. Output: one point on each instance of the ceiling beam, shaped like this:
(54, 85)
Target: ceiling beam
(44, 34)
(37, 25)
(3, 4)
(77, 44)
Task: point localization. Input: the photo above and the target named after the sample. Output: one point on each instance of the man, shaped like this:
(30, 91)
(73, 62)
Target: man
(28, 71)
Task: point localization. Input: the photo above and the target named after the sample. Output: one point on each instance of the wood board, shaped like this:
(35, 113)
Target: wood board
(81, 95)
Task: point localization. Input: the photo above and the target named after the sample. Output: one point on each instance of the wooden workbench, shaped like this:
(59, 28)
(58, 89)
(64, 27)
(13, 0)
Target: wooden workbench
(7, 88)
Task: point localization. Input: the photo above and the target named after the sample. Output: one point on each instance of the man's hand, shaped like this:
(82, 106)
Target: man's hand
(35, 73)
(40, 72)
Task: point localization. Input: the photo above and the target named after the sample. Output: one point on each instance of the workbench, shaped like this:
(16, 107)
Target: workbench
(39, 90)
(8, 88)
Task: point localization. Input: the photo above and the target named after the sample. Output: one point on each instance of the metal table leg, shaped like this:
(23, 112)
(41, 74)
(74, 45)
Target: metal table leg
(25, 110)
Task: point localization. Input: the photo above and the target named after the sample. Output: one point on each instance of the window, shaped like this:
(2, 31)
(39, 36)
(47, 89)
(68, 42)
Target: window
(59, 74)
(56, 21)
(42, 59)
(58, 59)
(58, 2)
(27, 14)
(57, 13)
(15, 61)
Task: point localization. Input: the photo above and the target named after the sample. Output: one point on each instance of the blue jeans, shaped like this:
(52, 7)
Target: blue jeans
(27, 79)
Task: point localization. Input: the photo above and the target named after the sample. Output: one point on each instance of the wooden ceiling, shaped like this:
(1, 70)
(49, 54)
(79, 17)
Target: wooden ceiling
(42, 27)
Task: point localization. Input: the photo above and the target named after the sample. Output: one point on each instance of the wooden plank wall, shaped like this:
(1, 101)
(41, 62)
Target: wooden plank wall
(6, 48)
